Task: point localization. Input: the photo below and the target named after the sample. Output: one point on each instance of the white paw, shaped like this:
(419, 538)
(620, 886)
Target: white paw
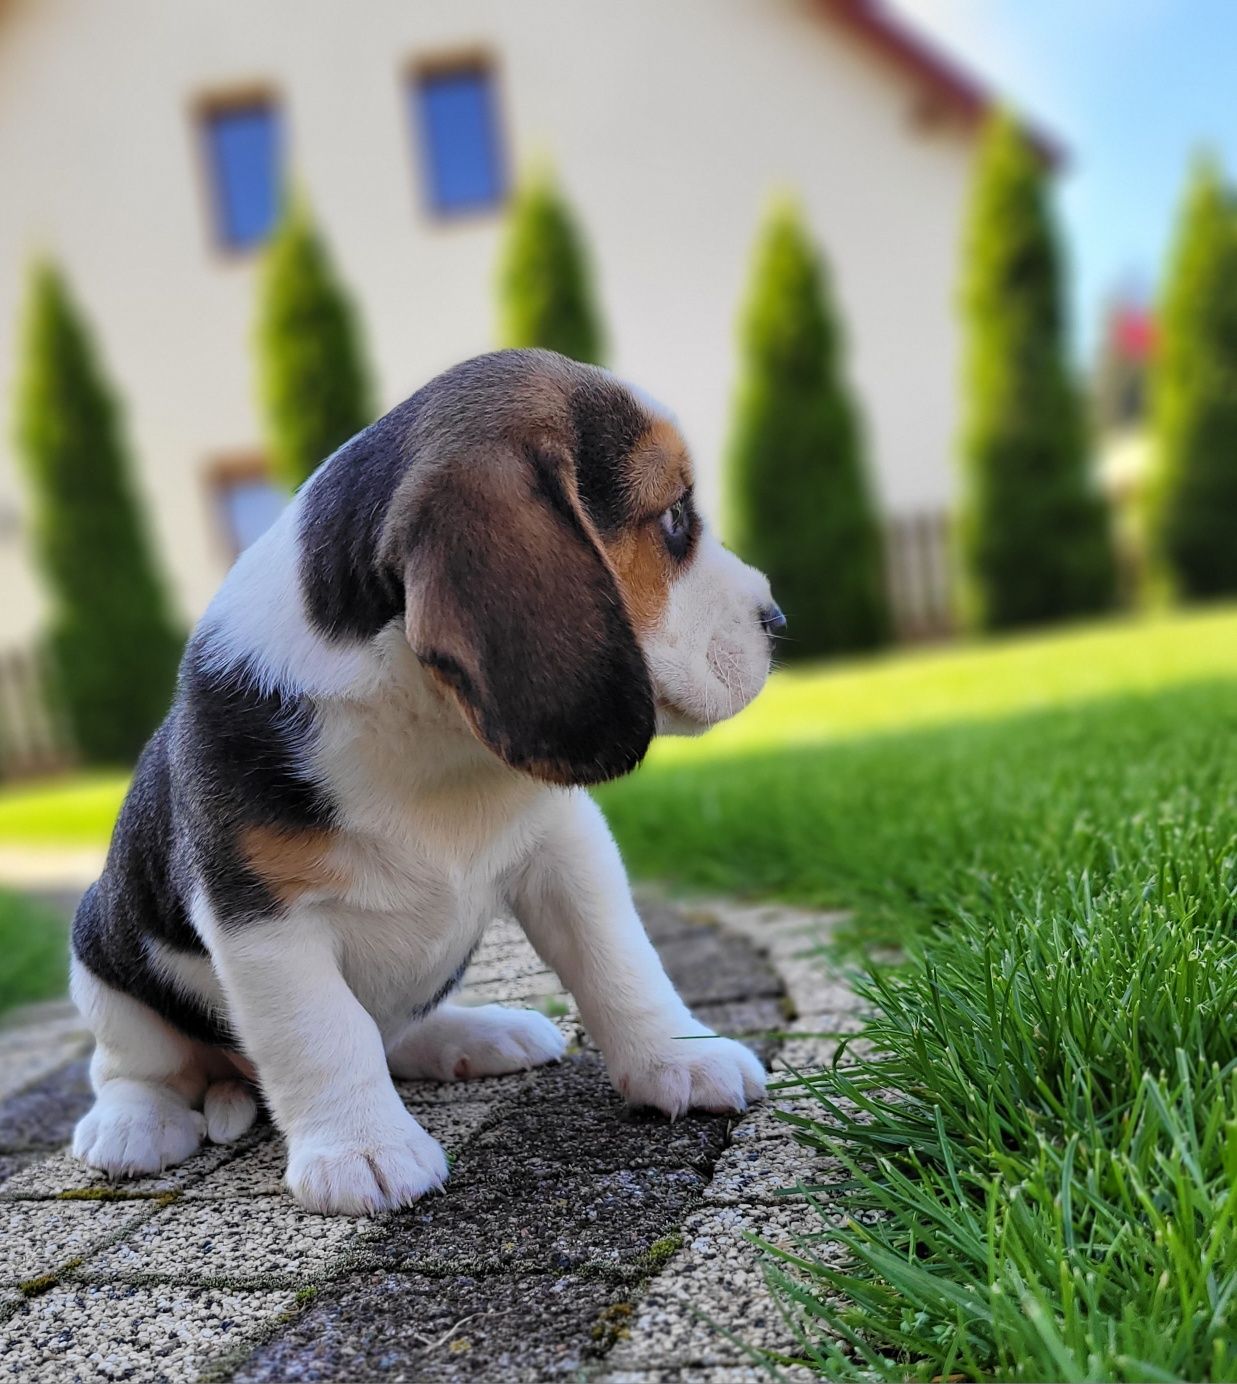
(135, 1128)
(360, 1177)
(461, 1044)
(690, 1073)
(229, 1109)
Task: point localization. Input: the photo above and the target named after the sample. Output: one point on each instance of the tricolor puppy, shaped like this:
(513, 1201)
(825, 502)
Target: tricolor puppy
(493, 596)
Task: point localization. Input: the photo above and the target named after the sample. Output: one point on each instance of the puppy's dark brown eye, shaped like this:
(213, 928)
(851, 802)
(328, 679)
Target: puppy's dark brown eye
(676, 526)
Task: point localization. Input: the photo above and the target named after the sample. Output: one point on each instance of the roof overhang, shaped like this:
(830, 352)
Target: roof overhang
(939, 77)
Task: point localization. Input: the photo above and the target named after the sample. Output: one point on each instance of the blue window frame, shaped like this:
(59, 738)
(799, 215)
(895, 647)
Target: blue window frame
(242, 148)
(455, 113)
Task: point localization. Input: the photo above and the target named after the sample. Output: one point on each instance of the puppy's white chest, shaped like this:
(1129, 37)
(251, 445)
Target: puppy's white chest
(397, 963)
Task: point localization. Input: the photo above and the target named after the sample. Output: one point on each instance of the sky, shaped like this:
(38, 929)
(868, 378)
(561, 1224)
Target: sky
(1132, 88)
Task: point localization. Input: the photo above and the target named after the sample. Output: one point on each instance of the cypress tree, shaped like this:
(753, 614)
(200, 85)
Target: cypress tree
(799, 504)
(313, 380)
(545, 282)
(1194, 495)
(113, 644)
(1035, 541)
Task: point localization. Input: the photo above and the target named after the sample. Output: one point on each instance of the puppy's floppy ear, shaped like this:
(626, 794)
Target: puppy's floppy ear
(512, 605)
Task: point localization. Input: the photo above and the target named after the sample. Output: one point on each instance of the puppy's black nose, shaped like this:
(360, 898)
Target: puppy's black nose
(772, 620)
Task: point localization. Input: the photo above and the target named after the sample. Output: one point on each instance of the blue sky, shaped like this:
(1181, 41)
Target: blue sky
(1133, 88)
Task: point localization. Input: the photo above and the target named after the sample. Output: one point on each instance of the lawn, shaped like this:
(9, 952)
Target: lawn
(35, 948)
(1041, 1132)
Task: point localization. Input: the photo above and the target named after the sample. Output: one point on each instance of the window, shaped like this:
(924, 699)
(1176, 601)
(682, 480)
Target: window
(246, 501)
(242, 163)
(454, 111)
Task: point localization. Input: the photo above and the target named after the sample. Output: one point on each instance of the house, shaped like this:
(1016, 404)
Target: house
(143, 146)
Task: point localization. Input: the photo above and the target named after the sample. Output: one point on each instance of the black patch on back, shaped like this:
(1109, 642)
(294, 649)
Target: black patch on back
(243, 751)
(226, 759)
(141, 896)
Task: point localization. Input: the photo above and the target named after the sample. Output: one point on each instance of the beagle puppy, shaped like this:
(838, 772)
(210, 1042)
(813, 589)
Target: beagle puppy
(381, 739)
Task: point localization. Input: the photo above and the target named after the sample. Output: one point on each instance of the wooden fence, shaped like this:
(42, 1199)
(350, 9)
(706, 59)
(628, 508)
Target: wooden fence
(919, 572)
(32, 738)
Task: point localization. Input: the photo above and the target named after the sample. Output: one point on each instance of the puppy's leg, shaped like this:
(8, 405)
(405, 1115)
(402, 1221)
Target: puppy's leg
(146, 1076)
(352, 1147)
(574, 903)
(458, 1043)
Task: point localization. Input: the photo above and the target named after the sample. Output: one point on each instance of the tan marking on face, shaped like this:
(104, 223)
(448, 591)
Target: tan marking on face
(291, 863)
(659, 471)
(644, 572)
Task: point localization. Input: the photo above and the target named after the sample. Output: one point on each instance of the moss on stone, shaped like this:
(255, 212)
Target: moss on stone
(613, 1324)
(661, 1250)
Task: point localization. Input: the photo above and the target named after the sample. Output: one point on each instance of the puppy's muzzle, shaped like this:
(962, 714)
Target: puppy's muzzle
(772, 621)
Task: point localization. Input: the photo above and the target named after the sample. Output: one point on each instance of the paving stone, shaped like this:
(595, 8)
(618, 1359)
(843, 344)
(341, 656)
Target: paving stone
(409, 1328)
(505, 963)
(714, 1374)
(664, 920)
(553, 1219)
(61, 1172)
(85, 1333)
(43, 1115)
(706, 970)
(759, 1023)
(525, 990)
(764, 1122)
(765, 1170)
(265, 1240)
(41, 1237)
(807, 1056)
(29, 1055)
(716, 1279)
(13, 1163)
(570, 1114)
(530, 1265)
(487, 1089)
(259, 1172)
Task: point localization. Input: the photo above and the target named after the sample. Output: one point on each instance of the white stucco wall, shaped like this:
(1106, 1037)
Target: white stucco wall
(669, 124)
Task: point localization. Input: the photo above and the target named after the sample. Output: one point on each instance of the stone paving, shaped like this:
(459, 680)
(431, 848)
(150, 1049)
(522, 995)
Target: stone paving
(575, 1239)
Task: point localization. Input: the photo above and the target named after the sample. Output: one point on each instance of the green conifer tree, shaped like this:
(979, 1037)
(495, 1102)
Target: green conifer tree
(112, 640)
(1194, 495)
(1035, 540)
(545, 283)
(799, 504)
(313, 380)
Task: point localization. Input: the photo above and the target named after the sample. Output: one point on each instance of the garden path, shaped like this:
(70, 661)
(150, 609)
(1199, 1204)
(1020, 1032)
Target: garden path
(575, 1239)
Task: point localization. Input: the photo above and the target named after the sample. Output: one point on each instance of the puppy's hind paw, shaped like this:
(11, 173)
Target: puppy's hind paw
(362, 1177)
(458, 1043)
(229, 1108)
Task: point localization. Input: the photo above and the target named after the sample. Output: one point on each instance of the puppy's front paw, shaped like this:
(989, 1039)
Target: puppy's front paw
(360, 1177)
(136, 1128)
(690, 1073)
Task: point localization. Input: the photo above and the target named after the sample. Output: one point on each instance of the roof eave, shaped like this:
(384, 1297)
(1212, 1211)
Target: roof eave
(873, 25)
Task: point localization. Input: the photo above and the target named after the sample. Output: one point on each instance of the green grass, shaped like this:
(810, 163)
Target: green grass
(77, 811)
(35, 948)
(1040, 1129)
